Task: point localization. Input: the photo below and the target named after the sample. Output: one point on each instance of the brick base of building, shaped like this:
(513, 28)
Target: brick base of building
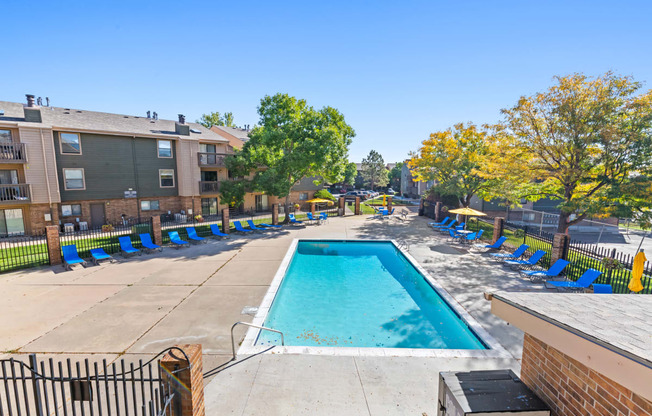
(571, 389)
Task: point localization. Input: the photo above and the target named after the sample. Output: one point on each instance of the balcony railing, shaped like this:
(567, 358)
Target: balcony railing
(16, 193)
(211, 160)
(209, 187)
(12, 153)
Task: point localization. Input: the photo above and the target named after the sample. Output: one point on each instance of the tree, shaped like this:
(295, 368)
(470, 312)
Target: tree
(373, 170)
(293, 141)
(350, 173)
(324, 194)
(216, 119)
(234, 191)
(453, 159)
(395, 176)
(581, 142)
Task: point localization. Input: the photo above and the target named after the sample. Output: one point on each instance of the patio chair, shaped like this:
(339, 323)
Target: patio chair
(476, 236)
(126, 247)
(531, 262)
(310, 217)
(602, 288)
(544, 275)
(253, 226)
(71, 257)
(453, 236)
(240, 228)
(323, 216)
(264, 224)
(439, 223)
(98, 254)
(495, 246)
(193, 237)
(294, 220)
(148, 245)
(216, 231)
(460, 227)
(586, 279)
(176, 240)
(511, 256)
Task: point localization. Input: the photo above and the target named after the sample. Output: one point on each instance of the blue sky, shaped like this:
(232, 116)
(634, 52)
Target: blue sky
(397, 70)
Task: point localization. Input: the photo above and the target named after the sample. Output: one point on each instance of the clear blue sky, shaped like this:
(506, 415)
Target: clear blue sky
(397, 70)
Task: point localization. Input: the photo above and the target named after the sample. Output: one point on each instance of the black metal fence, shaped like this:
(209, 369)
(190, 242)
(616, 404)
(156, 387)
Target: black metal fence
(18, 252)
(106, 238)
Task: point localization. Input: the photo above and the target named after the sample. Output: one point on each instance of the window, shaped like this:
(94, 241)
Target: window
(164, 148)
(209, 206)
(70, 143)
(166, 178)
(11, 222)
(149, 206)
(73, 179)
(70, 210)
(5, 136)
(303, 196)
(207, 148)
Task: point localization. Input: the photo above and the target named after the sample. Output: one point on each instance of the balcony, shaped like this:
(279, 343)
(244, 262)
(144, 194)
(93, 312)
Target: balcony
(209, 187)
(14, 194)
(211, 160)
(13, 153)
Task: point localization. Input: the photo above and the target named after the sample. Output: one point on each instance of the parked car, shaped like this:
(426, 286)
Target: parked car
(390, 191)
(353, 194)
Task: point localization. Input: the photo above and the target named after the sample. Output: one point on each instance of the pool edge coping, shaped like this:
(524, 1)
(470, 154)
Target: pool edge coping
(494, 348)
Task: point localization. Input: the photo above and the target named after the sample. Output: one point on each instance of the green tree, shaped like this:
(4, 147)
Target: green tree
(216, 119)
(395, 176)
(293, 141)
(233, 191)
(324, 194)
(350, 173)
(582, 143)
(373, 170)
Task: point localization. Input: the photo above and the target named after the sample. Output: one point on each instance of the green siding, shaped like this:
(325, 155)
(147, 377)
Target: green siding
(110, 167)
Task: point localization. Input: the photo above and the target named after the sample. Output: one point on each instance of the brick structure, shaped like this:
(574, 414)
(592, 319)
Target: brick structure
(274, 214)
(156, 230)
(226, 225)
(560, 245)
(499, 224)
(36, 220)
(312, 209)
(188, 384)
(571, 388)
(421, 201)
(341, 208)
(389, 203)
(357, 205)
(54, 246)
(438, 206)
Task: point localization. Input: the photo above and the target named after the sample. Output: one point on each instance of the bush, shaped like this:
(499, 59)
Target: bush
(324, 194)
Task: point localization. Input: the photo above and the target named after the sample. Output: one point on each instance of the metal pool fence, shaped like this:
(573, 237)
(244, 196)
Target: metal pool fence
(18, 252)
(105, 238)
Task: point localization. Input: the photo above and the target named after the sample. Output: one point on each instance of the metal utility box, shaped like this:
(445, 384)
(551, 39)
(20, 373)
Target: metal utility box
(487, 393)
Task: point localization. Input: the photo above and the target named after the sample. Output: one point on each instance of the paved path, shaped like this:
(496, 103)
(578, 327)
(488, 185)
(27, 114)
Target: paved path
(137, 307)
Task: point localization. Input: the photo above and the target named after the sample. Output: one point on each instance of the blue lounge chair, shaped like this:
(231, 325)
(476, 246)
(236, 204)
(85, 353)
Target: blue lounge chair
(460, 227)
(99, 254)
(193, 237)
(71, 257)
(294, 220)
(602, 288)
(253, 226)
(239, 227)
(451, 226)
(146, 242)
(176, 240)
(445, 225)
(531, 262)
(511, 256)
(264, 224)
(494, 246)
(586, 279)
(216, 231)
(553, 271)
(126, 247)
(439, 223)
(311, 218)
(453, 236)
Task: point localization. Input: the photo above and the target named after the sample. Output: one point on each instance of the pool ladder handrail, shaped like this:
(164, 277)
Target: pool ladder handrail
(252, 326)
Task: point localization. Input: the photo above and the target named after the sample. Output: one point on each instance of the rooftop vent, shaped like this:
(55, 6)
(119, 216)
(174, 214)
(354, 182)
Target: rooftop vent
(182, 119)
(30, 100)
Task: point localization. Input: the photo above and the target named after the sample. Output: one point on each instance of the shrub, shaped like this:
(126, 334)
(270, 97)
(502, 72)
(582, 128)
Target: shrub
(324, 194)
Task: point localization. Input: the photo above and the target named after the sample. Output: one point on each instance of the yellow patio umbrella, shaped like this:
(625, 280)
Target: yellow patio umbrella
(635, 284)
(467, 212)
(320, 201)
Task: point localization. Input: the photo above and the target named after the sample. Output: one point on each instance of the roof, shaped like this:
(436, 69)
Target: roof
(237, 132)
(617, 322)
(58, 118)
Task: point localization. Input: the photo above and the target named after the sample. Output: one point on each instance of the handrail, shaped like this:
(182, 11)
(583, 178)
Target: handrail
(252, 326)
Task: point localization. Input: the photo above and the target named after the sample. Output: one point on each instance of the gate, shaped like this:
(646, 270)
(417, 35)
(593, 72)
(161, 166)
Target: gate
(46, 388)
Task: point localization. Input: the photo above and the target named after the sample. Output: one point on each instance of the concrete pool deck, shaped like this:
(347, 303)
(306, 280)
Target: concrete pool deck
(136, 307)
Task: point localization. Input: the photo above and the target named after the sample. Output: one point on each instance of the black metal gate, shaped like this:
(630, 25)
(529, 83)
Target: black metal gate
(67, 388)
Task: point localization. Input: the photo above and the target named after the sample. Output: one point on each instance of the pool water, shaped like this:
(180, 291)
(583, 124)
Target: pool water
(361, 294)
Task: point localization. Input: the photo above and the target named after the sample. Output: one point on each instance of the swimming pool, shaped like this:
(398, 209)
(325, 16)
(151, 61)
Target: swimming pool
(364, 294)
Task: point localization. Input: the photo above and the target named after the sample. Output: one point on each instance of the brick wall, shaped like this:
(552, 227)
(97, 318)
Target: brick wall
(187, 384)
(571, 388)
(36, 222)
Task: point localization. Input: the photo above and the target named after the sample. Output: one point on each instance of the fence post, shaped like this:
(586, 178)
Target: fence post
(438, 212)
(33, 365)
(185, 379)
(421, 207)
(499, 225)
(54, 246)
(560, 244)
(357, 205)
(226, 225)
(389, 203)
(312, 209)
(342, 206)
(156, 230)
(274, 214)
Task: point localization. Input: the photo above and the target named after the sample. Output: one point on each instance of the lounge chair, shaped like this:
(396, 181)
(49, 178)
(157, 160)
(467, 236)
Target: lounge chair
(71, 257)
(511, 256)
(432, 224)
(240, 228)
(176, 240)
(312, 217)
(193, 237)
(602, 288)
(445, 225)
(294, 220)
(586, 279)
(494, 246)
(453, 236)
(126, 247)
(216, 231)
(460, 227)
(98, 254)
(451, 226)
(531, 262)
(253, 226)
(146, 242)
(553, 271)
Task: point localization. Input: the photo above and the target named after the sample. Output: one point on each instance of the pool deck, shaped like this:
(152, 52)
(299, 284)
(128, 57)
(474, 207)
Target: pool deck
(137, 307)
